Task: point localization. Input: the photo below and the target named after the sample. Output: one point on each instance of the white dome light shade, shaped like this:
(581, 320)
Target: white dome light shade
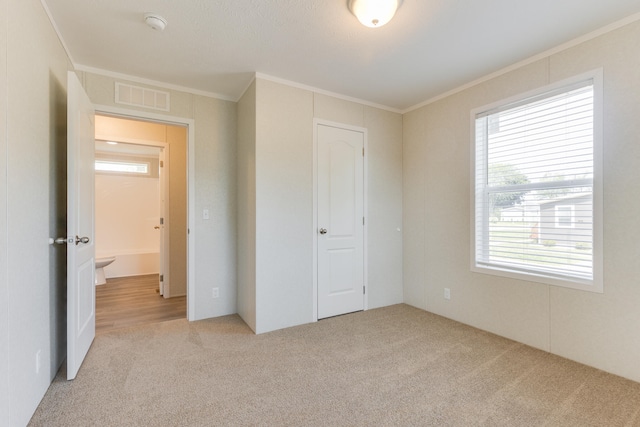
(374, 13)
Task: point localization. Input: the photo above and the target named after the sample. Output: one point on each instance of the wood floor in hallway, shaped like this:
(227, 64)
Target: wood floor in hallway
(128, 301)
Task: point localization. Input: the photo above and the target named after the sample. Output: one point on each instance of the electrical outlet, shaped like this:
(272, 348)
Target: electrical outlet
(205, 214)
(215, 292)
(38, 361)
(447, 293)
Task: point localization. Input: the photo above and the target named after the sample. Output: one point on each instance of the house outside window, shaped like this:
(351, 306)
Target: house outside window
(537, 186)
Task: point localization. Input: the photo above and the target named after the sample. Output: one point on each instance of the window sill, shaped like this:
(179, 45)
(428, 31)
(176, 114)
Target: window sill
(571, 283)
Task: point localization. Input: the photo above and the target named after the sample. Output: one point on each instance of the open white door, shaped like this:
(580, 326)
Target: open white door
(340, 177)
(164, 206)
(81, 301)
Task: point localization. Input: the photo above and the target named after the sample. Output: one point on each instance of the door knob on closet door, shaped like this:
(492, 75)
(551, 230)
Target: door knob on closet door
(323, 231)
(84, 240)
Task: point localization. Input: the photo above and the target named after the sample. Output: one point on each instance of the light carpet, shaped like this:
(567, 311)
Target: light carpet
(393, 366)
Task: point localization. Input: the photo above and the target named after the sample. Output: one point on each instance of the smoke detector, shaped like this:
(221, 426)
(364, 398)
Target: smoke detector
(155, 21)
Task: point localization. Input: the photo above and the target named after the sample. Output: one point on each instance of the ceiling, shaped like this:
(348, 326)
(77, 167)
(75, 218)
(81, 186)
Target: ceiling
(216, 46)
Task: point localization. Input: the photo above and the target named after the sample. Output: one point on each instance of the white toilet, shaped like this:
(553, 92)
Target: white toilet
(101, 263)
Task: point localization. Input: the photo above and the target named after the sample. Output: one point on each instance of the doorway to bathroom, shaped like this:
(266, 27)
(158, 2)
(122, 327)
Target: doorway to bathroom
(141, 221)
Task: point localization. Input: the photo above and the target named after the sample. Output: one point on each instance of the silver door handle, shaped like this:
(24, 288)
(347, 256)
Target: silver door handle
(64, 240)
(82, 240)
(323, 231)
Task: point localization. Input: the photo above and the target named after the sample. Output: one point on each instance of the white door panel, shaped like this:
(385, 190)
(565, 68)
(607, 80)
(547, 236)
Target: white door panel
(342, 188)
(340, 268)
(164, 236)
(81, 314)
(85, 294)
(340, 221)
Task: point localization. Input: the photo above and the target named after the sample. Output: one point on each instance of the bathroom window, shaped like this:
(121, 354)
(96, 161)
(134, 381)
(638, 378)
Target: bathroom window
(537, 185)
(138, 168)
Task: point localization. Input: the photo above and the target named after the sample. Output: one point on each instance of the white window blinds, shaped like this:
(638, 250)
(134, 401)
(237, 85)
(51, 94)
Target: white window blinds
(534, 175)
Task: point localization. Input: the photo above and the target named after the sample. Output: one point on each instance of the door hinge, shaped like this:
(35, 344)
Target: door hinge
(362, 220)
(162, 277)
(364, 290)
(362, 151)
(161, 163)
(161, 221)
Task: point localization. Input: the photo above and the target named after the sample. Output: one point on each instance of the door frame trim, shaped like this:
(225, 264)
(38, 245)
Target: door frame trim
(317, 122)
(190, 125)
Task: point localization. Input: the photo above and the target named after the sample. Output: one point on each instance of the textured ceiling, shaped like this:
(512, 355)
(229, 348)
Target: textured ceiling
(429, 48)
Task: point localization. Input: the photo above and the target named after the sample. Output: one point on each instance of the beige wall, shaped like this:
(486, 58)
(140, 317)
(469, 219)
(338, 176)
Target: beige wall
(246, 173)
(126, 212)
(214, 160)
(284, 141)
(32, 190)
(124, 130)
(215, 177)
(4, 244)
(600, 330)
(283, 281)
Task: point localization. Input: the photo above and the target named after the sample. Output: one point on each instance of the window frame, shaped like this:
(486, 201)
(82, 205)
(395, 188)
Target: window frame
(123, 172)
(571, 209)
(596, 283)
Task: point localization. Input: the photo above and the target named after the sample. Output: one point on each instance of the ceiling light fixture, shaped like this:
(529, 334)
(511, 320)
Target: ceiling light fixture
(374, 13)
(155, 21)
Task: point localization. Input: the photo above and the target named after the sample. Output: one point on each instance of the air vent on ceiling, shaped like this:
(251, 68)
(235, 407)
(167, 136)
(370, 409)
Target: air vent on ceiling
(142, 97)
